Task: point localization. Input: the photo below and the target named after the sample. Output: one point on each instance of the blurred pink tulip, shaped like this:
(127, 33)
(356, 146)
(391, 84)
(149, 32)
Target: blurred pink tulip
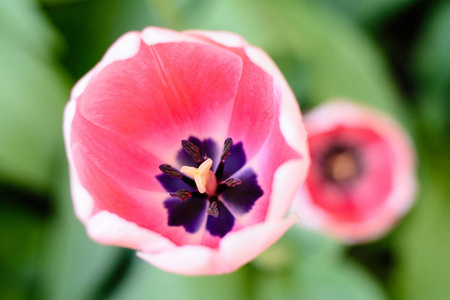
(362, 175)
(188, 147)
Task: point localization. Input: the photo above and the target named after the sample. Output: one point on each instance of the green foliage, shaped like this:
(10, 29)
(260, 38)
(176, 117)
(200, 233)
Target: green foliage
(432, 65)
(369, 11)
(145, 282)
(318, 270)
(324, 50)
(423, 245)
(73, 266)
(33, 92)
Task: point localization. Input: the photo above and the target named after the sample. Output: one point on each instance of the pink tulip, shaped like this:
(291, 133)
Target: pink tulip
(362, 176)
(188, 147)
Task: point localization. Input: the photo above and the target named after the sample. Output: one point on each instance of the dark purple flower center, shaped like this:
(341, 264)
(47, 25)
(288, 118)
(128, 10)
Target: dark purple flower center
(341, 164)
(234, 194)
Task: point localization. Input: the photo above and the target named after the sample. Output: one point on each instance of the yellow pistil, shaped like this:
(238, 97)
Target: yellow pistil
(201, 174)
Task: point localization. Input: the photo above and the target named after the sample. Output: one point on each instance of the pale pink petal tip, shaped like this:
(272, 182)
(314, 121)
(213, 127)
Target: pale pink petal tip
(108, 228)
(125, 47)
(228, 39)
(379, 141)
(235, 250)
(156, 35)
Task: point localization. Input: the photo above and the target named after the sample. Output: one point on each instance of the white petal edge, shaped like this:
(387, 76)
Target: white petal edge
(82, 200)
(286, 182)
(125, 47)
(291, 125)
(225, 38)
(107, 228)
(157, 35)
(235, 250)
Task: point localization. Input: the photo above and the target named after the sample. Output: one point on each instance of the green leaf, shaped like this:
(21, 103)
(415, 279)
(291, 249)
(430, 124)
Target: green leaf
(32, 95)
(21, 235)
(317, 270)
(369, 11)
(423, 244)
(74, 267)
(98, 24)
(432, 65)
(145, 281)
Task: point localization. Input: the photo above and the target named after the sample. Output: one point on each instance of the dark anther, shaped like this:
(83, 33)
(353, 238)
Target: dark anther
(226, 148)
(233, 182)
(168, 170)
(182, 194)
(212, 210)
(191, 149)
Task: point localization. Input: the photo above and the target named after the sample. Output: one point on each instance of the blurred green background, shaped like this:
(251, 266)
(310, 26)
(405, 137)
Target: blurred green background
(392, 54)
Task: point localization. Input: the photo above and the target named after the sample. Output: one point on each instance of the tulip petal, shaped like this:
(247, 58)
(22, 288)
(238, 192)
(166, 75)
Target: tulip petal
(133, 165)
(247, 123)
(221, 225)
(118, 100)
(241, 198)
(172, 184)
(235, 161)
(189, 213)
(144, 208)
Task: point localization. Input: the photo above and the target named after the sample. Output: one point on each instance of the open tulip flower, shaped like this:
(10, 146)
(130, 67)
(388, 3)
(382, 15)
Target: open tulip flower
(188, 147)
(362, 176)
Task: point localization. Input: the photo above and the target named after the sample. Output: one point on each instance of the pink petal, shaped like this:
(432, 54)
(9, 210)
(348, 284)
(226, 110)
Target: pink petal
(280, 171)
(200, 260)
(151, 106)
(251, 123)
(290, 121)
(132, 165)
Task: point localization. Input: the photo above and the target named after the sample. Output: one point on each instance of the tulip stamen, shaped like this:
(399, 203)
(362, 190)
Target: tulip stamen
(192, 150)
(200, 175)
(233, 181)
(213, 210)
(226, 149)
(168, 170)
(182, 194)
(225, 153)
